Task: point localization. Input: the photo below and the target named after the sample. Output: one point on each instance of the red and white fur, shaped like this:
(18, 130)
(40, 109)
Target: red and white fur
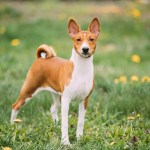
(65, 79)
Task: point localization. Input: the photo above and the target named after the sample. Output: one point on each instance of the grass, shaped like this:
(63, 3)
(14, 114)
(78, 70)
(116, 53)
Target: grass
(118, 115)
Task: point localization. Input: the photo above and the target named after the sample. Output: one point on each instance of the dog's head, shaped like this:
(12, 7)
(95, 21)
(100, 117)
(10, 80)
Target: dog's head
(84, 41)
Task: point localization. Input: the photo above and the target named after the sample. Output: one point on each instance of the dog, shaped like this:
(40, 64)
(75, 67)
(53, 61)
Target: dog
(65, 79)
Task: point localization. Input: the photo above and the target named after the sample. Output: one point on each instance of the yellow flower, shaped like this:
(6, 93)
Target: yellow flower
(15, 42)
(17, 120)
(7, 148)
(131, 118)
(136, 13)
(116, 81)
(112, 143)
(134, 78)
(135, 58)
(123, 79)
(145, 79)
(138, 115)
(2, 29)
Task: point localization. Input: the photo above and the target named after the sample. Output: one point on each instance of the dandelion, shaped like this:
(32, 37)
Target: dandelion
(116, 81)
(7, 148)
(123, 79)
(134, 78)
(131, 118)
(136, 13)
(145, 79)
(112, 143)
(2, 29)
(138, 115)
(17, 120)
(135, 58)
(15, 42)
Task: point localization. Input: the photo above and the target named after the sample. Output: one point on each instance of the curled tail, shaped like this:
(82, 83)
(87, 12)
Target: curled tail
(44, 51)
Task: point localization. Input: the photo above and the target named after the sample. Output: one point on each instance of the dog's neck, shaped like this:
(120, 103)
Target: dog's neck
(81, 64)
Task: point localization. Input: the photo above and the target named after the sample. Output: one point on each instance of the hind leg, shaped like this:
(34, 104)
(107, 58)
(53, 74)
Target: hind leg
(55, 106)
(16, 107)
(26, 93)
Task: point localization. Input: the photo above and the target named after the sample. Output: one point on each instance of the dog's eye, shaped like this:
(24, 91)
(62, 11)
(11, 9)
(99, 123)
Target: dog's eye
(78, 39)
(91, 39)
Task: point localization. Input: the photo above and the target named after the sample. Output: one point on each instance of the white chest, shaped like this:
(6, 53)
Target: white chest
(80, 86)
(82, 78)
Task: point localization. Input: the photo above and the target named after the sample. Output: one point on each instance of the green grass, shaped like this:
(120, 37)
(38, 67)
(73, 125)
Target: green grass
(107, 125)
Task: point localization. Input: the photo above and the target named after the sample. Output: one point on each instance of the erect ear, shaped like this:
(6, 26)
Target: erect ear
(95, 27)
(73, 28)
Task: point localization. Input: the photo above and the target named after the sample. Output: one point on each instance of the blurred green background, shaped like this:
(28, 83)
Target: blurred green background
(118, 115)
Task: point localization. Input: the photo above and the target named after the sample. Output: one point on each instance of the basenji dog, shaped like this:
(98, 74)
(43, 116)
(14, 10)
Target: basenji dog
(65, 79)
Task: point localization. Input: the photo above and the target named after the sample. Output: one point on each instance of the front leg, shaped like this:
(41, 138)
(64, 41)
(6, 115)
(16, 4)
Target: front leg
(81, 117)
(82, 110)
(65, 102)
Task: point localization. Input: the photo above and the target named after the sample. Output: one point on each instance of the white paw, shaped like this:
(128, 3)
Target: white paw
(79, 137)
(55, 118)
(65, 142)
(54, 114)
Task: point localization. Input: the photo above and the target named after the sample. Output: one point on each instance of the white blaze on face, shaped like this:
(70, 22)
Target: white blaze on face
(84, 45)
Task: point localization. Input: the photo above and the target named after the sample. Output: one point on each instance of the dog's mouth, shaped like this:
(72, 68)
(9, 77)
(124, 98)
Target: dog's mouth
(85, 55)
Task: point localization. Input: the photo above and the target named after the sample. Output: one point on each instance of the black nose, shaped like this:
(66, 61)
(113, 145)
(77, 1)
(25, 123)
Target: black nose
(85, 49)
